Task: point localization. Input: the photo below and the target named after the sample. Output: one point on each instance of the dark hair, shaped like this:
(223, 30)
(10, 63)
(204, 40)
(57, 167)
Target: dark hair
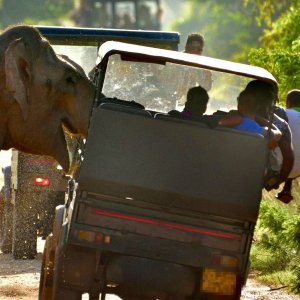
(264, 96)
(197, 99)
(195, 37)
(247, 100)
(293, 97)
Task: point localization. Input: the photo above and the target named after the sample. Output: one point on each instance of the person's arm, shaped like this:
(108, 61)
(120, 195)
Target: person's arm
(231, 120)
(288, 158)
(207, 80)
(262, 121)
(275, 135)
(286, 148)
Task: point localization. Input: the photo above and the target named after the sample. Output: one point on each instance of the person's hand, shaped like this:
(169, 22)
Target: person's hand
(272, 181)
(262, 121)
(273, 144)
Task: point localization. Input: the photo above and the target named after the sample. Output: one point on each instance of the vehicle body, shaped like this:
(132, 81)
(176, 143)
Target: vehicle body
(38, 186)
(6, 211)
(120, 14)
(34, 186)
(160, 207)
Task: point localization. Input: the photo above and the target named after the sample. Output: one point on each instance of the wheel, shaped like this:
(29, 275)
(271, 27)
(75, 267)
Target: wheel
(24, 226)
(63, 294)
(59, 291)
(46, 278)
(96, 296)
(6, 230)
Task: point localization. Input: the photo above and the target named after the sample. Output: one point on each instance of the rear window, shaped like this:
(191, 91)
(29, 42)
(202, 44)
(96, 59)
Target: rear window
(164, 87)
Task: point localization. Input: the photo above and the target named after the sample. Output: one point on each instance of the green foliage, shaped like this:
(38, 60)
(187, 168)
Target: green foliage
(275, 253)
(34, 11)
(285, 30)
(280, 54)
(270, 10)
(228, 26)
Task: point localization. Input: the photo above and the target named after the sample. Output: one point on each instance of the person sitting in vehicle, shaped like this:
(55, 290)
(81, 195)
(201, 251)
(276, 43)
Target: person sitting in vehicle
(265, 97)
(245, 118)
(196, 102)
(195, 107)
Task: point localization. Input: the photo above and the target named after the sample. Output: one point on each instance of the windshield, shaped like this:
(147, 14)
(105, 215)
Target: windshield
(85, 56)
(164, 87)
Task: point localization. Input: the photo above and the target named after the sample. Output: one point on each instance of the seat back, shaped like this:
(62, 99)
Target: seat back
(173, 163)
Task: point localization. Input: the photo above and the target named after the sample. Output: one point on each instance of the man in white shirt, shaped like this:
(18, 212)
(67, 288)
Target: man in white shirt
(191, 77)
(293, 115)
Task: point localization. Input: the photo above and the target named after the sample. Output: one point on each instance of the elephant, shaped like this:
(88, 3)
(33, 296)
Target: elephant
(41, 95)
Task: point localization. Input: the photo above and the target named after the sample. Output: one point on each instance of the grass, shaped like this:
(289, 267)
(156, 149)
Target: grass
(275, 253)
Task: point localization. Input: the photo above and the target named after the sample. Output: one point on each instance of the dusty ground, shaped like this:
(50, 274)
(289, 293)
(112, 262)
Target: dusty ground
(19, 279)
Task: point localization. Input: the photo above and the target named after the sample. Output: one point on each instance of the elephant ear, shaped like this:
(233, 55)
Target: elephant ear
(17, 73)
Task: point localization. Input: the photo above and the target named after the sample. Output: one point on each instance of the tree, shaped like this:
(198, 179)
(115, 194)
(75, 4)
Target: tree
(44, 12)
(280, 51)
(270, 10)
(229, 27)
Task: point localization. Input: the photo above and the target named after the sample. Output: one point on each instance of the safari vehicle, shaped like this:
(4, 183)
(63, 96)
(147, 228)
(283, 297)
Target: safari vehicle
(38, 184)
(81, 44)
(128, 14)
(159, 207)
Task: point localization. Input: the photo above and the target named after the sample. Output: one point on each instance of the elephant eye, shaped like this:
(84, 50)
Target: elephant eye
(70, 80)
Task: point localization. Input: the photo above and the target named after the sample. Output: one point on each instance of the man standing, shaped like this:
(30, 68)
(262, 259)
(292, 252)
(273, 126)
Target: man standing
(193, 77)
(194, 44)
(293, 115)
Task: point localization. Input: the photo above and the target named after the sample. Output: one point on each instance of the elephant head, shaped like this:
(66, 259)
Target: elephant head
(41, 95)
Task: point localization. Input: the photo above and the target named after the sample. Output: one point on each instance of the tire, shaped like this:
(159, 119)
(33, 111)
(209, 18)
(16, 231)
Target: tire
(7, 229)
(24, 226)
(63, 294)
(96, 297)
(59, 291)
(46, 278)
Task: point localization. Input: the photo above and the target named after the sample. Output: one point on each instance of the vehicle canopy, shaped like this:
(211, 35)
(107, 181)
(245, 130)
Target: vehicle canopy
(95, 36)
(137, 150)
(81, 44)
(161, 56)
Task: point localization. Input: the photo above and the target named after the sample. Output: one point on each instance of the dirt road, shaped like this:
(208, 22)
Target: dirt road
(19, 279)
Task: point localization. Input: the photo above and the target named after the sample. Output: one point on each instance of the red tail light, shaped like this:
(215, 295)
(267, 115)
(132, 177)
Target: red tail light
(42, 181)
(168, 225)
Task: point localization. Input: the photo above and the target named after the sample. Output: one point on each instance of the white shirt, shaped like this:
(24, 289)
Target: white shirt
(294, 122)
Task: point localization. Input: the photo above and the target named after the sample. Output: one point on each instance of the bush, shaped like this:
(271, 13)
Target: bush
(275, 254)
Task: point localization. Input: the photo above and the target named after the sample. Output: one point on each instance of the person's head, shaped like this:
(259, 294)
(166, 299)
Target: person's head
(194, 44)
(196, 100)
(264, 97)
(293, 99)
(246, 103)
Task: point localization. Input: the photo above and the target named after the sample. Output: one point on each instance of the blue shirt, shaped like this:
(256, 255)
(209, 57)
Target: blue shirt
(250, 125)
